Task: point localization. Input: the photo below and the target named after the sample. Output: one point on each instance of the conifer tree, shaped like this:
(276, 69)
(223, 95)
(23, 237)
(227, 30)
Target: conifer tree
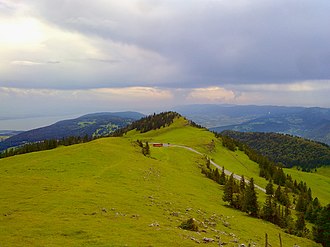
(208, 163)
(309, 195)
(300, 224)
(146, 149)
(228, 190)
(321, 231)
(216, 175)
(242, 184)
(222, 179)
(316, 203)
(301, 205)
(309, 214)
(285, 200)
(251, 200)
(270, 188)
(268, 209)
(278, 194)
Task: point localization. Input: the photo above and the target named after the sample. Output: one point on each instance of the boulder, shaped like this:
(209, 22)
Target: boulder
(208, 240)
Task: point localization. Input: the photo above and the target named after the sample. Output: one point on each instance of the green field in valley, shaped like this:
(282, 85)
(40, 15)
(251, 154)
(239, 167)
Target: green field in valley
(106, 193)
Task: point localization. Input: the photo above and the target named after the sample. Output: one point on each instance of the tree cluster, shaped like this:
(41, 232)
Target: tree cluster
(241, 196)
(144, 148)
(214, 174)
(321, 231)
(269, 170)
(285, 149)
(277, 206)
(238, 195)
(151, 122)
(44, 145)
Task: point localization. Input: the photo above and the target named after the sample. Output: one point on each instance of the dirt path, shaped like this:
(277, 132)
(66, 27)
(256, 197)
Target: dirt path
(212, 162)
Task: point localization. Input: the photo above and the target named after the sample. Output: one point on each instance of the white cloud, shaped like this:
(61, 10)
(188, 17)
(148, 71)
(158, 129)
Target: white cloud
(211, 95)
(303, 86)
(58, 102)
(25, 63)
(137, 93)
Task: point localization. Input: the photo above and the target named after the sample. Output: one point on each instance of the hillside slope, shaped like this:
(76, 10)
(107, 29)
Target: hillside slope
(97, 124)
(311, 123)
(288, 150)
(106, 193)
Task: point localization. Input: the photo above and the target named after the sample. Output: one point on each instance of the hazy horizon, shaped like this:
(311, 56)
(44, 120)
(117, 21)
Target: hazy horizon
(153, 55)
(23, 123)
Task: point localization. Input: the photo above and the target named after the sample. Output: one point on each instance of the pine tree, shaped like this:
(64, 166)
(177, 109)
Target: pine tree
(251, 200)
(301, 205)
(268, 209)
(216, 175)
(278, 194)
(242, 184)
(285, 200)
(146, 149)
(316, 203)
(321, 231)
(309, 214)
(300, 224)
(270, 188)
(208, 163)
(309, 195)
(241, 196)
(228, 190)
(289, 222)
(222, 179)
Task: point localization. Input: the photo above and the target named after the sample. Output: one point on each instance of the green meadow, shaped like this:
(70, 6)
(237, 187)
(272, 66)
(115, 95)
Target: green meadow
(106, 193)
(318, 181)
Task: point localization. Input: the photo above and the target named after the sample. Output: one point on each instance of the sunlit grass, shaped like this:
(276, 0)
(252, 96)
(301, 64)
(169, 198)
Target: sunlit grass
(106, 193)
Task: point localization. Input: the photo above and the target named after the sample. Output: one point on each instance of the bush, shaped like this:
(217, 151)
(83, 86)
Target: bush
(189, 225)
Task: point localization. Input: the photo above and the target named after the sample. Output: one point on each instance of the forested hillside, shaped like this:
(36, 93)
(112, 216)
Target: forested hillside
(286, 149)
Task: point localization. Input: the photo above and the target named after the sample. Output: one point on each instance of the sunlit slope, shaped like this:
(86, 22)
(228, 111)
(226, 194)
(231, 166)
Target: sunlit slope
(180, 132)
(106, 193)
(319, 182)
(237, 162)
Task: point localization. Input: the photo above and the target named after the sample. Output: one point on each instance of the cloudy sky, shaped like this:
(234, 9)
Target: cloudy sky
(76, 56)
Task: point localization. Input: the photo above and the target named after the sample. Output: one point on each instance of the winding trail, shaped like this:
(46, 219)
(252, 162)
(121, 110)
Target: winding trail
(212, 162)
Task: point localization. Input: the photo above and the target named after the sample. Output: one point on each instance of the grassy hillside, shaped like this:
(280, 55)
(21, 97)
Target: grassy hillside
(106, 193)
(288, 150)
(205, 142)
(319, 182)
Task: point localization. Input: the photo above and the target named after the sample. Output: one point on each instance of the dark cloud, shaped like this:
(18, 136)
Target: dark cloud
(211, 41)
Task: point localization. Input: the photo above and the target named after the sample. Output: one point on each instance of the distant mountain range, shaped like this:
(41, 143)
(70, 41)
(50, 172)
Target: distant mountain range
(9, 132)
(93, 125)
(311, 123)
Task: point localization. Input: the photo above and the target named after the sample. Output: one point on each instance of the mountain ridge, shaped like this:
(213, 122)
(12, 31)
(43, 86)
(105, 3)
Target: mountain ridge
(92, 125)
